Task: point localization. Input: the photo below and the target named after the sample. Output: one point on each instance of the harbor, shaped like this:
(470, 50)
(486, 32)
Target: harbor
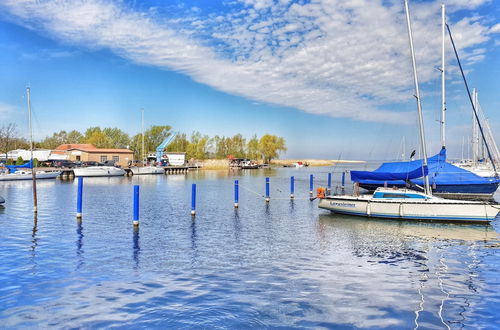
(231, 265)
(249, 165)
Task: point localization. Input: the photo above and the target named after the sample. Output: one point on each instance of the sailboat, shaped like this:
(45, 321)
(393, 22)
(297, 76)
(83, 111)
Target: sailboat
(27, 171)
(447, 180)
(406, 204)
(148, 169)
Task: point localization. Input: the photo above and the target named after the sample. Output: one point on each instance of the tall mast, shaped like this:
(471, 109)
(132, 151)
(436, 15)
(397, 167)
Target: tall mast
(142, 129)
(474, 131)
(33, 173)
(427, 189)
(443, 91)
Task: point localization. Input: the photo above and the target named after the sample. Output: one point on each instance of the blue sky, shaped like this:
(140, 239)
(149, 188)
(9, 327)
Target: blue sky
(332, 77)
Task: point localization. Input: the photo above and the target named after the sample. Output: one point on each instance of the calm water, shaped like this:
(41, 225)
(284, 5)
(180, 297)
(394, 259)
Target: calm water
(286, 264)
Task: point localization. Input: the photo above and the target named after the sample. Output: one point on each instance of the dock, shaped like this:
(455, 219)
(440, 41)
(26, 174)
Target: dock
(69, 174)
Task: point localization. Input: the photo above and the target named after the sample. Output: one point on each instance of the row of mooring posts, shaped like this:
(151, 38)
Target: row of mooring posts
(79, 199)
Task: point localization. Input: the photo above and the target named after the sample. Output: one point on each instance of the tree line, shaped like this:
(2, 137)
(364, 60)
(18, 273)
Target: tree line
(196, 145)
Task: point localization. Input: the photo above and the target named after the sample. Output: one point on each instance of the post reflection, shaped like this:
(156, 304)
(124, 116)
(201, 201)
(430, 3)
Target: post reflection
(79, 243)
(194, 244)
(136, 249)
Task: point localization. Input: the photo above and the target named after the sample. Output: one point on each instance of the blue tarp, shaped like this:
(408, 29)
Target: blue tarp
(357, 176)
(439, 171)
(13, 168)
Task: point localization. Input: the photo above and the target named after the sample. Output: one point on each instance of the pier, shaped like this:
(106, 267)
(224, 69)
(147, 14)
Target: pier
(176, 169)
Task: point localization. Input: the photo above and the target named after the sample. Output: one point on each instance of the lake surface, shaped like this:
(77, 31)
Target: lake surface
(286, 264)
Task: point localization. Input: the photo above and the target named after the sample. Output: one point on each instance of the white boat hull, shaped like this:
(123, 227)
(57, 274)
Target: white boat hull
(99, 171)
(433, 210)
(25, 175)
(147, 170)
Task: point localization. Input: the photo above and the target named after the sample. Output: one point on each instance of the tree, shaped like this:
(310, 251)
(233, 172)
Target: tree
(253, 151)
(7, 138)
(270, 146)
(98, 139)
(179, 144)
(19, 161)
(155, 135)
(61, 137)
(236, 146)
(117, 138)
(197, 147)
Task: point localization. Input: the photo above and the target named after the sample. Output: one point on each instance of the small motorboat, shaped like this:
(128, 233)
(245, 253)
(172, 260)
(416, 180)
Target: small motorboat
(136, 170)
(99, 171)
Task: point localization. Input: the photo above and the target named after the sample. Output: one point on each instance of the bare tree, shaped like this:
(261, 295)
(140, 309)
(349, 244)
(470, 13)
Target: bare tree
(7, 138)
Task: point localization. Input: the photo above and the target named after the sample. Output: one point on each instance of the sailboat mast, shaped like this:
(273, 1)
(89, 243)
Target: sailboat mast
(443, 91)
(474, 131)
(419, 104)
(33, 173)
(142, 129)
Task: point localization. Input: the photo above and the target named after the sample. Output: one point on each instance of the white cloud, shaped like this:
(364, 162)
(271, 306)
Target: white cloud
(332, 57)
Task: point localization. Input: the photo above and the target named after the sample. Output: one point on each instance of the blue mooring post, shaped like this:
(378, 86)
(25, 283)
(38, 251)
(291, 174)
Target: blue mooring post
(136, 206)
(329, 180)
(292, 186)
(236, 193)
(193, 199)
(311, 184)
(268, 198)
(79, 199)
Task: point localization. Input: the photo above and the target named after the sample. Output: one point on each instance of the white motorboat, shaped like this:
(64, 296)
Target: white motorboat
(147, 170)
(99, 171)
(405, 204)
(27, 175)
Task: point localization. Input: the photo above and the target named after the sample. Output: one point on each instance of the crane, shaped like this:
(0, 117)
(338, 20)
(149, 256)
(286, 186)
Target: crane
(163, 145)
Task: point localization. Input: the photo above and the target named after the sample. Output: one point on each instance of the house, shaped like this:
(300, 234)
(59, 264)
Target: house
(88, 152)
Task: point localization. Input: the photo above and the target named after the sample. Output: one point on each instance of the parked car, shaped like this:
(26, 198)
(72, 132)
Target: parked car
(91, 163)
(110, 162)
(64, 163)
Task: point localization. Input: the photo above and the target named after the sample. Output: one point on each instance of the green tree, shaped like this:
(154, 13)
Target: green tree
(36, 162)
(270, 146)
(197, 147)
(236, 146)
(74, 137)
(98, 139)
(179, 144)
(221, 147)
(155, 135)
(19, 161)
(117, 137)
(9, 162)
(253, 150)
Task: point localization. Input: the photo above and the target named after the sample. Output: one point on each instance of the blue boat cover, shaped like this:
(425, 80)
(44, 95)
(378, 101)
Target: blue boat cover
(439, 171)
(357, 176)
(13, 168)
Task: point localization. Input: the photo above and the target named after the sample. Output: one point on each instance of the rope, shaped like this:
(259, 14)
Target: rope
(274, 198)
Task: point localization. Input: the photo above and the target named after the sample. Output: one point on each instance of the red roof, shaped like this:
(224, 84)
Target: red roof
(90, 149)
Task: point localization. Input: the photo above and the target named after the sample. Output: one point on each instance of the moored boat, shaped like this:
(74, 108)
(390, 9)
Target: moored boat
(99, 171)
(2, 200)
(25, 175)
(147, 170)
(406, 204)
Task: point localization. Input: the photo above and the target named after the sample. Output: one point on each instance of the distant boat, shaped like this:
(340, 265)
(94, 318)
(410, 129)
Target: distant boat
(24, 175)
(99, 171)
(20, 172)
(2, 200)
(147, 170)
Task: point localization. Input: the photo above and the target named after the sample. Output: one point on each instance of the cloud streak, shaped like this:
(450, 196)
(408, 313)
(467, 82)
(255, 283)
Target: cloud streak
(336, 58)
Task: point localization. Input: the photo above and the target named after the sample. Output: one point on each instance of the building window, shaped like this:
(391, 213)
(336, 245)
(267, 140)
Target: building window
(104, 158)
(116, 158)
(78, 158)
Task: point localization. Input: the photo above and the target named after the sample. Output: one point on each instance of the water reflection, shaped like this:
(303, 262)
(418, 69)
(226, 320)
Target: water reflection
(136, 249)
(194, 245)
(79, 243)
